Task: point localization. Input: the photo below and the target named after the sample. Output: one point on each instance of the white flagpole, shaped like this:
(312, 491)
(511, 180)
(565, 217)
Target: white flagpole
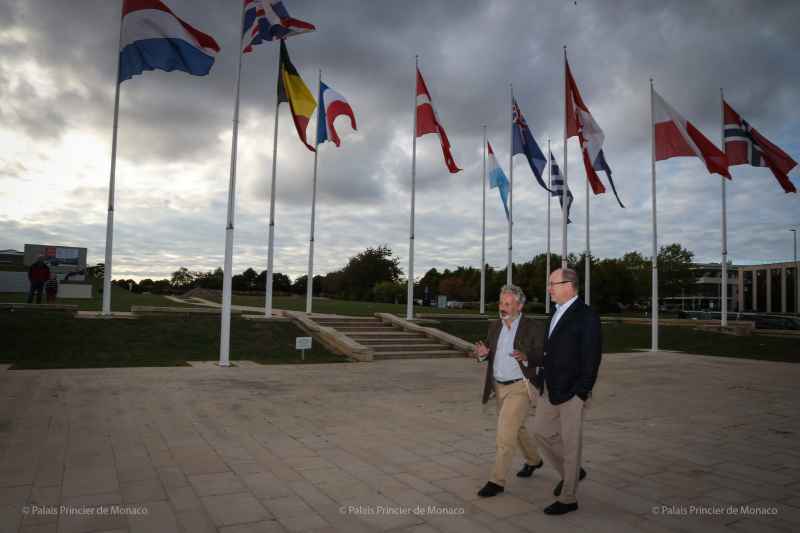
(271, 243)
(510, 267)
(724, 281)
(564, 198)
(547, 267)
(410, 302)
(654, 317)
(310, 278)
(587, 262)
(111, 182)
(483, 230)
(225, 317)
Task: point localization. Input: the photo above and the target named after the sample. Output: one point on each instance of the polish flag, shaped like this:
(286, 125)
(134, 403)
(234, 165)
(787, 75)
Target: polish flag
(428, 122)
(676, 137)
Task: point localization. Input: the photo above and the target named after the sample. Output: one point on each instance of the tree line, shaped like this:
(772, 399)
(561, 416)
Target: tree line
(375, 275)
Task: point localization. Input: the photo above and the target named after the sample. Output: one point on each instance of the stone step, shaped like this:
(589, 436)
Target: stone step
(401, 341)
(406, 347)
(333, 323)
(396, 334)
(430, 354)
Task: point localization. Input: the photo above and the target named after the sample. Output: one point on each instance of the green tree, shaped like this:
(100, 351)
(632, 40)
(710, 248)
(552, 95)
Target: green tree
(182, 279)
(366, 270)
(674, 270)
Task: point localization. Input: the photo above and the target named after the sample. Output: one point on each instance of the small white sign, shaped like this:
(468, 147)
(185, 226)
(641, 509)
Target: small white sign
(302, 343)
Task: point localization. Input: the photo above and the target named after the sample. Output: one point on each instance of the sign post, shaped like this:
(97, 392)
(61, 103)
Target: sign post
(302, 344)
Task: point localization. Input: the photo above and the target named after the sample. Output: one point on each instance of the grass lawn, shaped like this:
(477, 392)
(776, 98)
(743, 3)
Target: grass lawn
(630, 337)
(121, 300)
(34, 339)
(340, 307)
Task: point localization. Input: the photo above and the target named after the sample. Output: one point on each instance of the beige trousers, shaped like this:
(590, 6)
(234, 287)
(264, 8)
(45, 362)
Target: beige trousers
(558, 432)
(513, 404)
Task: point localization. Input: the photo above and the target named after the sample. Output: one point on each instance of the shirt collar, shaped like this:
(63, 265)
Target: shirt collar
(567, 303)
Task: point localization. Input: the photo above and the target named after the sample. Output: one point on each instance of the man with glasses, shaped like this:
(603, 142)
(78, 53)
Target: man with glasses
(572, 353)
(513, 349)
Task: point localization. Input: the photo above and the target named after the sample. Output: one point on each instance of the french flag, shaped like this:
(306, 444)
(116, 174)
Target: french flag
(331, 105)
(154, 38)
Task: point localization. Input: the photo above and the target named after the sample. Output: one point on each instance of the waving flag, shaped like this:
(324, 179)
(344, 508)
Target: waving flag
(292, 89)
(331, 105)
(524, 143)
(744, 145)
(267, 24)
(675, 137)
(497, 179)
(581, 123)
(154, 38)
(557, 185)
(428, 122)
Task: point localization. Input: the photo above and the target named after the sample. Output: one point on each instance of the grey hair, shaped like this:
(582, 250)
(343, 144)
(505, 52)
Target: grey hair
(567, 274)
(516, 291)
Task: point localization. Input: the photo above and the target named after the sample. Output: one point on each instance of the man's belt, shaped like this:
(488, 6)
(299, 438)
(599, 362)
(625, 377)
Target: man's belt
(507, 382)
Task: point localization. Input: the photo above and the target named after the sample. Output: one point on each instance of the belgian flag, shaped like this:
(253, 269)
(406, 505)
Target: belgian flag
(292, 89)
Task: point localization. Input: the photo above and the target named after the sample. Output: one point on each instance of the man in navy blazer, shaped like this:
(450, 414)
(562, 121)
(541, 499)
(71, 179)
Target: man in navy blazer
(572, 353)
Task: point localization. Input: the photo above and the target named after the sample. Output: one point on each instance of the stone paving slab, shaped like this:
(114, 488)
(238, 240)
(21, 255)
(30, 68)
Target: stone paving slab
(672, 443)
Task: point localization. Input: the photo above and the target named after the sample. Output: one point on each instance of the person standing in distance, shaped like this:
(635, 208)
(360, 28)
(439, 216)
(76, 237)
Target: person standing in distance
(572, 353)
(513, 348)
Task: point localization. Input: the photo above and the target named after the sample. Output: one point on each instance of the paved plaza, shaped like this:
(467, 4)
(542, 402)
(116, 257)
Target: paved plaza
(672, 442)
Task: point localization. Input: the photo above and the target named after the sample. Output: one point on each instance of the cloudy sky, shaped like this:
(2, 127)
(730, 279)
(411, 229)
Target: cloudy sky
(57, 69)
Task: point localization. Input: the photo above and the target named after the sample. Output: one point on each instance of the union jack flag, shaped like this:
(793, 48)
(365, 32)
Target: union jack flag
(744, 145)
(268, 24)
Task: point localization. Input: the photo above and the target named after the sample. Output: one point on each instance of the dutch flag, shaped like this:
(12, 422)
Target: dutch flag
(154, 38)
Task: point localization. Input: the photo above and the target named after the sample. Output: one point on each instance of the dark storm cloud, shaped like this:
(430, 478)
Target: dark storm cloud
(469, 52)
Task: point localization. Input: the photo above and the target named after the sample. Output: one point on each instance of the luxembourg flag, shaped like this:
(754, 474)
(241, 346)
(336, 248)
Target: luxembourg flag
(331, 105)
(498, 179)
(154, 38)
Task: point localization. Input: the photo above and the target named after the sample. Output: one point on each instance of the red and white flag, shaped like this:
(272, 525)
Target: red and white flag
(676, 137)
(744, 145)
(580, 123)
(428, 122)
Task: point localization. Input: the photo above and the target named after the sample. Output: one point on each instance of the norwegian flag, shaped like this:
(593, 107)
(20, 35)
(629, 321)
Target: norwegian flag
(428, 122)
(268, 24)
(744, 145)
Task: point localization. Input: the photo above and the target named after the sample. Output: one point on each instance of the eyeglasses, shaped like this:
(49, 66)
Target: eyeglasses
(551, 283)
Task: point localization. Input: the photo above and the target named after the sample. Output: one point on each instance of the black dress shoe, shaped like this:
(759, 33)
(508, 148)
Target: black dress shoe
(527, 470)
(557, 490)
(560, 508)
(490, 489)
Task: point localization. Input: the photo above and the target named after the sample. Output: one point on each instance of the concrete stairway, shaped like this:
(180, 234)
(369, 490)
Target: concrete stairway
(387, 341)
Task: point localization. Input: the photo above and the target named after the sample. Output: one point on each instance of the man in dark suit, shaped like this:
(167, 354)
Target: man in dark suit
(569, 370)
(513, 348)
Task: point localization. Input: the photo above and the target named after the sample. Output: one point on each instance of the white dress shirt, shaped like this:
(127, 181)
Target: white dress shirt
(506, 368)
(560, 310)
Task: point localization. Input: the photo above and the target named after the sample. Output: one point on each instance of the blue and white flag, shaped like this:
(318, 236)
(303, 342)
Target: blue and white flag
(497, 179)
(557, 186)
(524, 143)
(154, 38)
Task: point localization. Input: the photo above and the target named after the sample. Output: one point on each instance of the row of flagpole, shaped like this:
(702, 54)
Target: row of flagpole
(578, 122)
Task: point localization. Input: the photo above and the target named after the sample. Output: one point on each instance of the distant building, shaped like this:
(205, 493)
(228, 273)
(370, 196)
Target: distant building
(12, 258)
(769, 288)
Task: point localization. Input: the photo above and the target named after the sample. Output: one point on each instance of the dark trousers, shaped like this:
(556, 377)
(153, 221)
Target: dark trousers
(36, 288)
